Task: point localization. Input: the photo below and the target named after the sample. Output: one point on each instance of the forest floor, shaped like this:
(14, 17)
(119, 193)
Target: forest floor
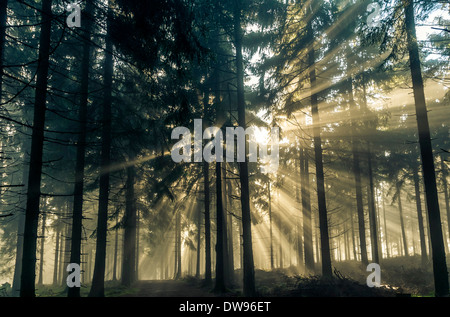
(168, 288)
(400, 276)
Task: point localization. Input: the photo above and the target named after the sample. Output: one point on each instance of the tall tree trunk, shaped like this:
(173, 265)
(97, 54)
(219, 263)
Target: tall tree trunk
(426, 150)
(41, 256)
(220, 268)
(228, 204)
(280, 237)
(385, 226)
(208, 278)
(178, 245)
(66, 255)
(299, 235)
(116, 246)
(357, 171)
(249, 268)
(199, 232)
(423, 248)
(28, 277)
(323, 215)
(402, 223)
(98, 279)
(445, 185)
(136, 275)
(306, 211)
(372, 211)
(374, 235)
(221, 242)
(3, 17)
(55, 262)
(129, 235)
(20, 227)
(77, 214)
(270, 226)
(62, 251)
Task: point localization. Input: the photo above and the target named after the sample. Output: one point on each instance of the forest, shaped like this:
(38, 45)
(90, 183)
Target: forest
(93, 92)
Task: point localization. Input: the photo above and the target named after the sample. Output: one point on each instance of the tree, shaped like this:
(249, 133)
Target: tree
(97, 288)
(27, 288)
(323, 216)
(77, 214)
(426, 152)
(248, 269)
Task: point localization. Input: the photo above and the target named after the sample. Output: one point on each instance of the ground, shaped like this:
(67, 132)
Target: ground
(167, 288)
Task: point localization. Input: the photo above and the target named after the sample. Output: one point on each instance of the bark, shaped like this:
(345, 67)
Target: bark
(221, 242)
(98, 279)
(423, 248)
(41, 256)
(426, 150)
(220, 268)
(20, 229)
(306, 210)
(357, 176)
(270, 227)
(402, 223)
(129, 235)
(199, 232)
(28, 277)
(323, 215)
(116, 245)
(445, 185)
(3, 17)
(248, 264)
(227, 203)
(77, 214)
(137, 245)
(208, 277)
(374, 235)
(55, 262)
(177, 247)
(385, 227)
(372, 212)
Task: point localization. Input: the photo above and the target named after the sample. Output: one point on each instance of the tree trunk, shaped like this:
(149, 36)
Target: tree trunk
(98, 279)
(116, 245)
(20, 227)
(208, 278)
(228, 204)
(41, 256)
(178, 245)
(62, 251)
(129, 235)
(220, 268)
(270, 226)
(299, 236)
(374, 235)
(56, 263)
(423, 248)
(306, 210)
(372, 211)
(402, 224)
(136, 275)
(199, 232)
(27, 288)
(437, 242)
(444, 183)
(77, 215)
(323, 215)
(385, 226)
(248, 269)
(357, 174)
(3, 17)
